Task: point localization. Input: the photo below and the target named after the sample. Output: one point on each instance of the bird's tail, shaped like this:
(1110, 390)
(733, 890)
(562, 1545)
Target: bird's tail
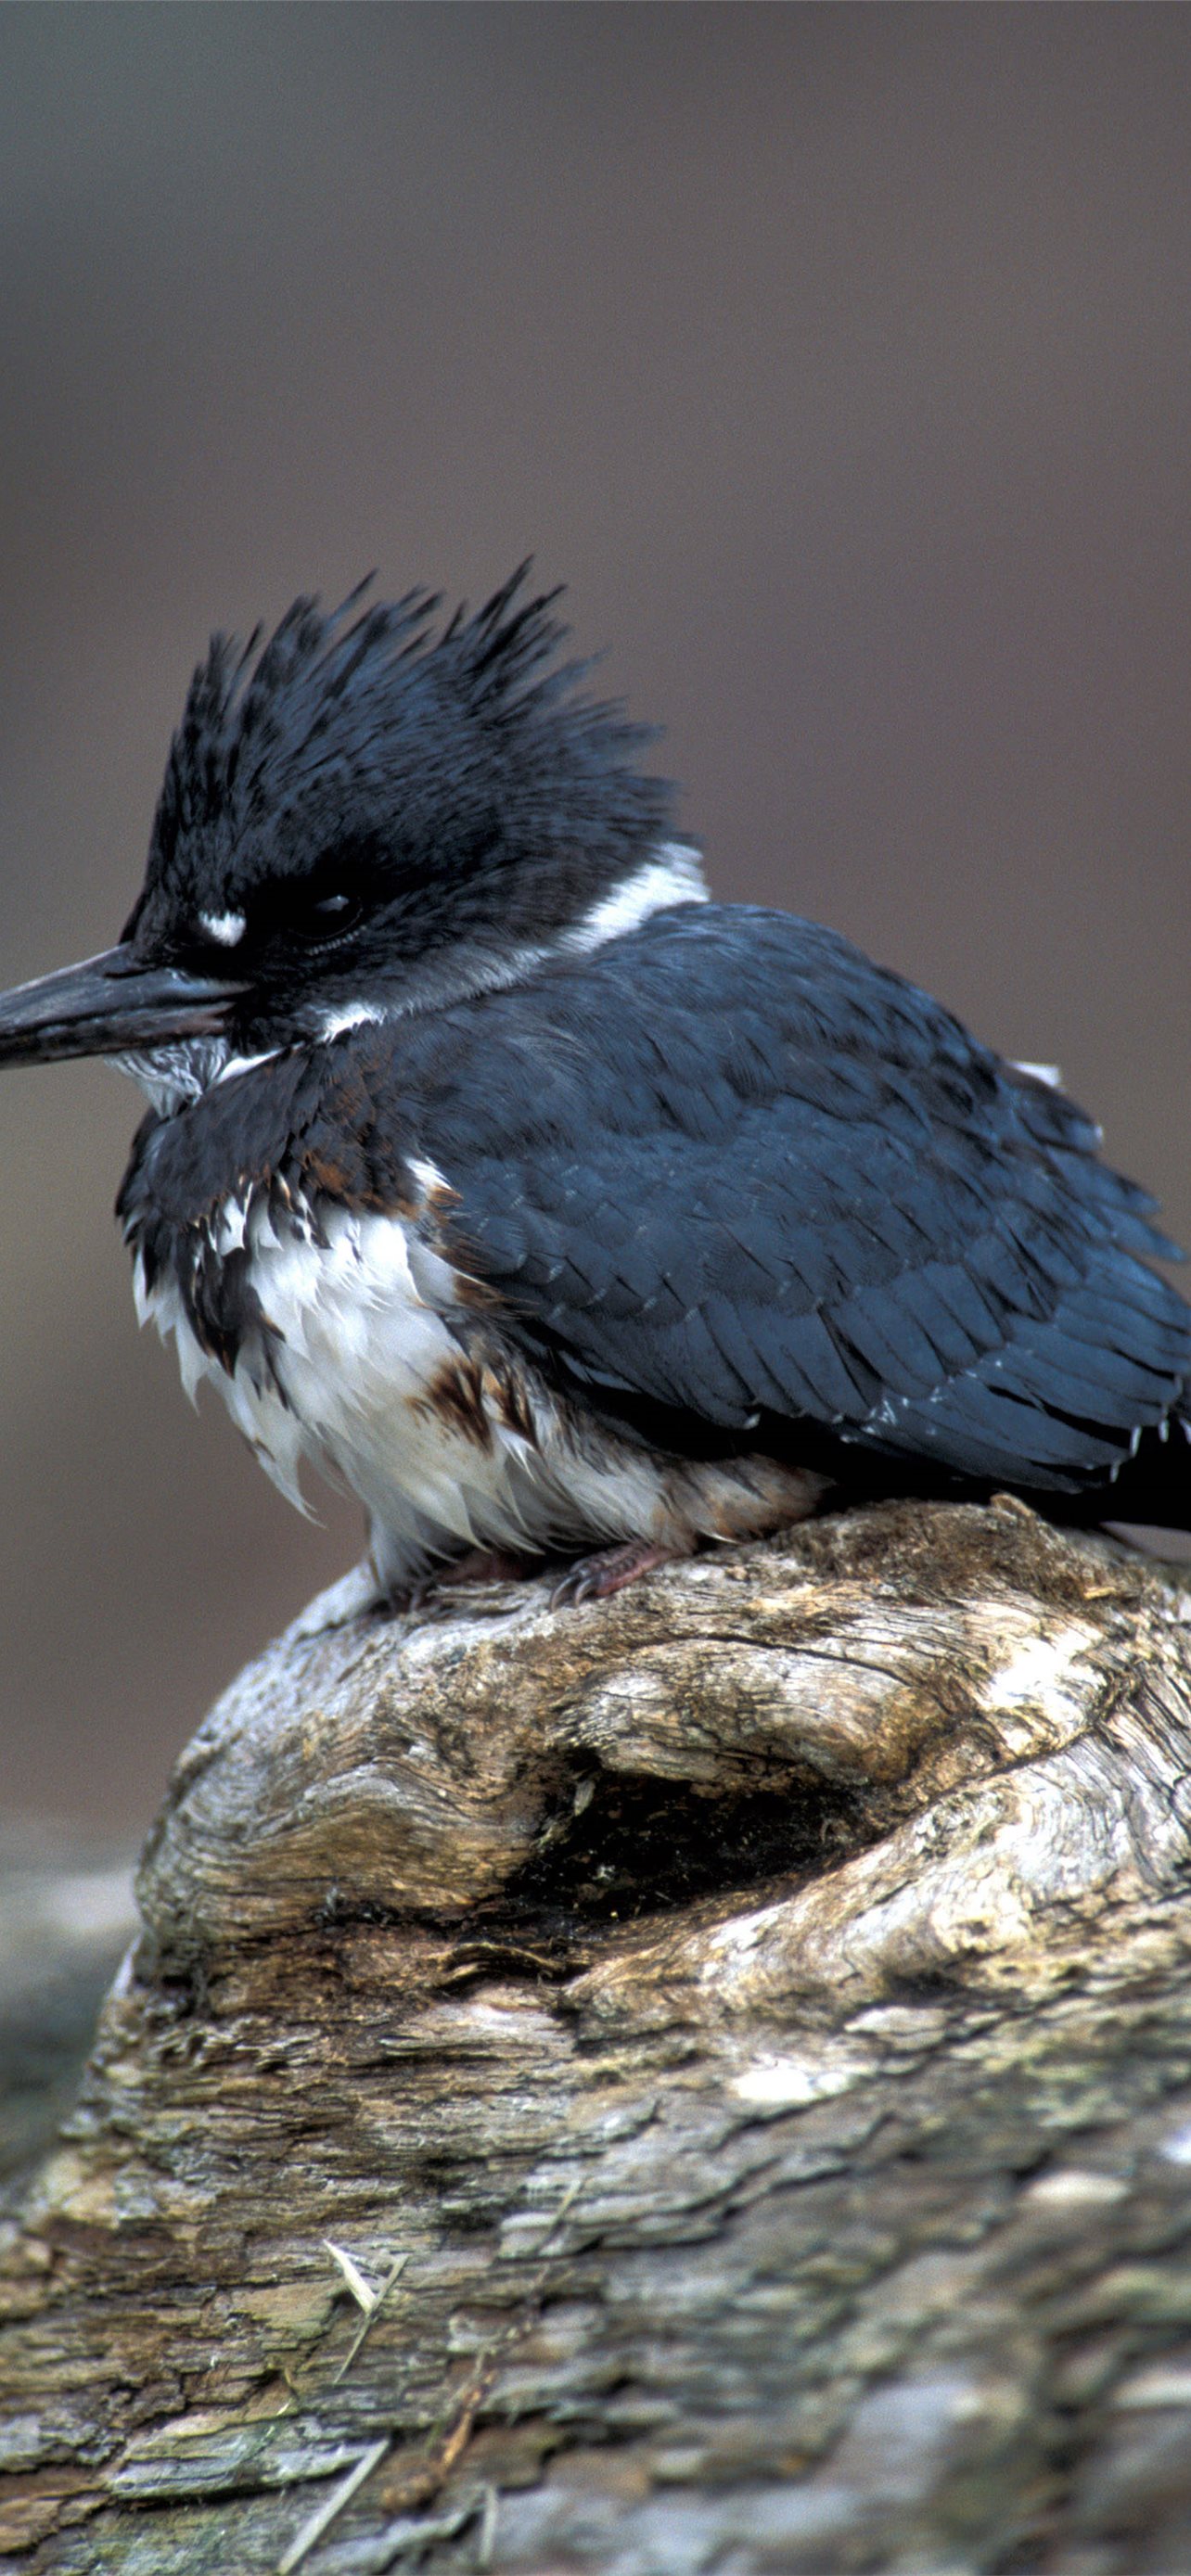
(1153, 1487)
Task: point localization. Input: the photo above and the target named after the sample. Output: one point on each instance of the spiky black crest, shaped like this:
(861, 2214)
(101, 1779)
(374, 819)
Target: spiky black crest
(367, 723)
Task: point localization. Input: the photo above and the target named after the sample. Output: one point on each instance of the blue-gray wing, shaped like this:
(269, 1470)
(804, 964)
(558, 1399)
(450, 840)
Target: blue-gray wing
(729, 1167)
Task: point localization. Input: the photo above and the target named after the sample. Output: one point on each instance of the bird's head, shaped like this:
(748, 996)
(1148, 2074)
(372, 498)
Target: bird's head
(365, 816)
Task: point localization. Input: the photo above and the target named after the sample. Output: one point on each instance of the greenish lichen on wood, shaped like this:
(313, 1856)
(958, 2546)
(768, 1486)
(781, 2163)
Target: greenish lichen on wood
(702, 2080)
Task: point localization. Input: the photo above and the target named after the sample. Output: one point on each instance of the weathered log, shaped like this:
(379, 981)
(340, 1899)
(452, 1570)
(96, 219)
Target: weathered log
(698, 2082)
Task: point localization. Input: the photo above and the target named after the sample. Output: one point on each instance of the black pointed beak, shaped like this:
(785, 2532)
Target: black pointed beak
(109, 1005)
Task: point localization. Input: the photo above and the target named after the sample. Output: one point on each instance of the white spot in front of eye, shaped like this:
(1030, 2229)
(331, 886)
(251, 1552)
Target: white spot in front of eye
(225, 928)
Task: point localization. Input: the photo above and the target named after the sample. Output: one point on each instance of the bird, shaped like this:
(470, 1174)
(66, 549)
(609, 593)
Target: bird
(567, 1216)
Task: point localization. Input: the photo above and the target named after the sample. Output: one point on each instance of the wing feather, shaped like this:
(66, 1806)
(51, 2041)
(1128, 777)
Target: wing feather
(728, 1166)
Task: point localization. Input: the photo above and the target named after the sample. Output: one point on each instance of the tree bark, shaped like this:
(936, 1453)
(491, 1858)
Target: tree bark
(700, 2082)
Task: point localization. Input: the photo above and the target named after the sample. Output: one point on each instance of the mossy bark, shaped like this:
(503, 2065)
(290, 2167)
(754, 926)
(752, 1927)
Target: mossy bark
(698, 2082)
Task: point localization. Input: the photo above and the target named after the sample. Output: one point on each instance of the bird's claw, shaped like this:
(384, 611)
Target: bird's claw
(432, 1592)
(596, 1578)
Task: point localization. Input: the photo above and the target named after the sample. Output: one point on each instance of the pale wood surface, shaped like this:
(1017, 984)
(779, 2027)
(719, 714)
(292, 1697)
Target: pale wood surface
(739, 2036)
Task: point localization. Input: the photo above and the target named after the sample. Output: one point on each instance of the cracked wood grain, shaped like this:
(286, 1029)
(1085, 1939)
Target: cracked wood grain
(699, 2081)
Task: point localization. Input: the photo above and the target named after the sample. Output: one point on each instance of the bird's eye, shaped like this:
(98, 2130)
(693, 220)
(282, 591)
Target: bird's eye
(327, 916)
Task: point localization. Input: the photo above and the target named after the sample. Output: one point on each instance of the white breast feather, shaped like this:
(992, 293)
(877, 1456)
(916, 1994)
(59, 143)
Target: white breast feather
(362, 1317)
(359, 1333)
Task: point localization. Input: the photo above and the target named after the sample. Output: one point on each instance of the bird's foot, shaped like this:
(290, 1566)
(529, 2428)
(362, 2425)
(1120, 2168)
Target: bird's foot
(590, 1578)
(480, 1565)
(596, 1578)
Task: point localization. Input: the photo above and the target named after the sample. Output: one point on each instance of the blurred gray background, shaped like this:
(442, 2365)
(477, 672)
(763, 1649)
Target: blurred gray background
(837, 358)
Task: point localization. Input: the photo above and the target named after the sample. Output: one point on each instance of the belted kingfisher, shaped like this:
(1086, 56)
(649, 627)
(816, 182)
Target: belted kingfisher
(551, 1206)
